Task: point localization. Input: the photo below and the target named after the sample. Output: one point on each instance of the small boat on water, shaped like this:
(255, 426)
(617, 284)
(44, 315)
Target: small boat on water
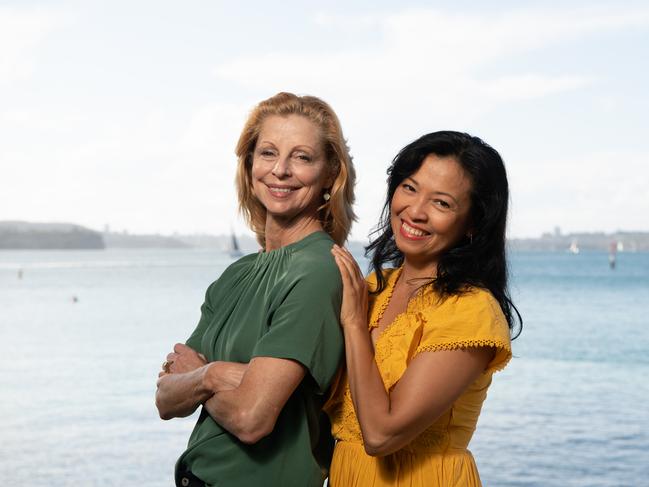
(612, 253)
(234, 250)
(574, 248)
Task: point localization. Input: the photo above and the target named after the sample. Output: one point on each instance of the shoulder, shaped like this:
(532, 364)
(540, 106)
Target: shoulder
(389, 274)
(471, 302)
(472, 318)
(232, 273)
(314, 261)
(477, 299)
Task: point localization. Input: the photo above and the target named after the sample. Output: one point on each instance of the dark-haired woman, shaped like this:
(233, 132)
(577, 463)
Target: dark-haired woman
(440, 320)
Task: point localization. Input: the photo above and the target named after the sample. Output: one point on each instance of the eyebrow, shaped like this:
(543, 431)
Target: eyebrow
(436, 192)
(297, 147)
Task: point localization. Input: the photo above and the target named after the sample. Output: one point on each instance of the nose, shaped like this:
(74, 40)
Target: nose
(417, 210)
(281, 169)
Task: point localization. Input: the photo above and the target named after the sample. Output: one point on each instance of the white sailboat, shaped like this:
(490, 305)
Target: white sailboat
(574, 248)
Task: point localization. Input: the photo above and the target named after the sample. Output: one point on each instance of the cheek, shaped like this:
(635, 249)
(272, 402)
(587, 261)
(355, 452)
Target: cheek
(396, 204)
(256, 171)
(311, 177)
(255, 179)
(395, 222)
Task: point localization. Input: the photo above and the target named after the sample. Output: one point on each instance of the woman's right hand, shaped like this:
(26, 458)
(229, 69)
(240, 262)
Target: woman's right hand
(184, 359)
(353, 312)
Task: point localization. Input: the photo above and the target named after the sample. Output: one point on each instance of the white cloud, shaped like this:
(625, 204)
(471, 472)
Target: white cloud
(21, 32)
(427, 51)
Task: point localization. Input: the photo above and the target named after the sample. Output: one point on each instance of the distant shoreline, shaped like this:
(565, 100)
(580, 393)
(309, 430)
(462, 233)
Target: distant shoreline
(20, 235)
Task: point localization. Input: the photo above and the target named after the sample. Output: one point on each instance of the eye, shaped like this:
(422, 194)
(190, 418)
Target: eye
(302, 156)
(266, 153)
(442, 204)
(408, 187)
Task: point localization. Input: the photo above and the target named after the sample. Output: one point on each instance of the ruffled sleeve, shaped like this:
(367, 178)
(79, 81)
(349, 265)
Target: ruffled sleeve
(472, 319)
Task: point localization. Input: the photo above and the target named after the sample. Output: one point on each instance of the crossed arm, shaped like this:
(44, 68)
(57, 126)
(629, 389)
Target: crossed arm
(389, 420)
(245, 399)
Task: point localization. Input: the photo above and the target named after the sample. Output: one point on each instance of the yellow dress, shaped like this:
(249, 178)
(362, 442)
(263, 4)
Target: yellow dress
(438, 456)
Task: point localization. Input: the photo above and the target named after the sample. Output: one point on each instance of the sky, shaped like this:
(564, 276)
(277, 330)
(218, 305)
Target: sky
(126, 113)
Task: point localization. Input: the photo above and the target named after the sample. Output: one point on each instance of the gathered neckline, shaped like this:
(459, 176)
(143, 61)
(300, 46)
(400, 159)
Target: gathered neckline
(318, 234)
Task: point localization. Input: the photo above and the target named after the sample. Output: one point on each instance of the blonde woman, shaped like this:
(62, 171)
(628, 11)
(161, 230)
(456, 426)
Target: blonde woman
(269, 342)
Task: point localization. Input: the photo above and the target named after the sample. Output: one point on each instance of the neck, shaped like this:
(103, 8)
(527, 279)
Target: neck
(413, 272)
(280, 233)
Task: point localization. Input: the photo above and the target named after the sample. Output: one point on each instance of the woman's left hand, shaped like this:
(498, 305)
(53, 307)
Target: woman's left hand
(183, 359)
(353, 312)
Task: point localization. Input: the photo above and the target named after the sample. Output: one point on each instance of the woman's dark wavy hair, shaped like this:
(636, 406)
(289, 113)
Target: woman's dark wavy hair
(476, 261)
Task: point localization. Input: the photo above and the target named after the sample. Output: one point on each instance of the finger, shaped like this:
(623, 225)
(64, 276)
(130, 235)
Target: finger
(180, 347)
(355, 262)
(346, 254)
(340, 252)
(344, 273)
(171, 357)
(352, 276)
(351, 265)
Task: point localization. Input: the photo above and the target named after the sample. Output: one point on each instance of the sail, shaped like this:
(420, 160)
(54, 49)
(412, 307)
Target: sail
(235, 250)
(235, 244)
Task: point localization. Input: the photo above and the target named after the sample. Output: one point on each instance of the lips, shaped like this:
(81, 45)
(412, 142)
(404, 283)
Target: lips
(280, 191)
(412, 232)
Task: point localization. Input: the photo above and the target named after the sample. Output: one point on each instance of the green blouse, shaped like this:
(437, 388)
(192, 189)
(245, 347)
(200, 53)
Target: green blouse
(284, 304)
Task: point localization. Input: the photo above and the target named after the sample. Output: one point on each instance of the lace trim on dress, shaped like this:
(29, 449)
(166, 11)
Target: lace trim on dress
(385, 299)
(499, 345)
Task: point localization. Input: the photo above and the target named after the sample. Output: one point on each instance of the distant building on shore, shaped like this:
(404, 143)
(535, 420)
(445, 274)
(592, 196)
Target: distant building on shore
(556, 241)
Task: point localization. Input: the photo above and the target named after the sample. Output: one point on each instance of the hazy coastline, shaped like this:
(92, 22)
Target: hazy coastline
(21, 235)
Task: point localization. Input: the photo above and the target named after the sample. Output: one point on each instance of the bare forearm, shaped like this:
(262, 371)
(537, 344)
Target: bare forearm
(226, 375)
(371, 401)
(250, 411)
(243, 417)
(179, 395)
(432, 382)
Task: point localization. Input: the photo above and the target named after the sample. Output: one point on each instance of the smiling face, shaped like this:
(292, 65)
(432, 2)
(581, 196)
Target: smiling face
(429, 212)
(289, 170)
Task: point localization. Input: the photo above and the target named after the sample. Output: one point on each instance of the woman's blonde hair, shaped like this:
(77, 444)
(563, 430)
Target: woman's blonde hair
(336, 215)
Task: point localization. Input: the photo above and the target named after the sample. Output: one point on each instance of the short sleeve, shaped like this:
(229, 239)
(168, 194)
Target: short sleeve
(305, 325)
(194, 340)
(213, 296)
(472, 319)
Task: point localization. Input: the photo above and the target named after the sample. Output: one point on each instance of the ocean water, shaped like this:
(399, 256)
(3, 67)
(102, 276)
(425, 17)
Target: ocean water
(84, 334)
